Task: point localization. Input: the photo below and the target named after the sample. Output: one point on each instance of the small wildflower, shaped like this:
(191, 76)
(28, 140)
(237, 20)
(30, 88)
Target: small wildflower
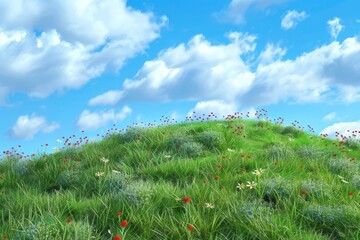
(258, 172)
(99, 174)
(290, 139)
(204, 181)
(230, 150)
(119, 213)
(68, 220)
(117, 237)
(351, 194)
(209, 205)
(251, 185)
(303, 192)
(219, 166)
(124, 223)
(240, 186)
(105, 160)
(187, 199)
(216, 178)
(190, 227)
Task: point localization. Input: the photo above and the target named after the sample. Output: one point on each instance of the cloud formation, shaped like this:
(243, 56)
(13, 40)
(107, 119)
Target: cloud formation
(292, 18)
(335, 27)
(94, 120)
(330, 116)
(46, 50)
(27, 126)
(237, 9)
(200, 71)
(342, 128)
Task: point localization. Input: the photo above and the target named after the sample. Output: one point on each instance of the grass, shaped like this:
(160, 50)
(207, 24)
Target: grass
(228, 179)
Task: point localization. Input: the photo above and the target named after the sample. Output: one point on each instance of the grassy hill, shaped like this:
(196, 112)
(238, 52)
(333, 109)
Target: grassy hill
(230, 179)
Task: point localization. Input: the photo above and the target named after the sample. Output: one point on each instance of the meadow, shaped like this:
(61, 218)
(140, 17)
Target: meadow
(233, 178)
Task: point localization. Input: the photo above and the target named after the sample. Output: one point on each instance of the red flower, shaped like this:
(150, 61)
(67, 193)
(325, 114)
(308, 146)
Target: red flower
(119, 213)
(216, 178)
(219, 166)
(68, 220)
(351, 194)
(187, 199)
(124, 223)
(334, 154)
(303, 192)
(117, 237)
(190, 227)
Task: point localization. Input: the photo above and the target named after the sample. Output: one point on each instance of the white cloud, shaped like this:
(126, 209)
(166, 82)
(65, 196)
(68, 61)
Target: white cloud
(200, 71)
(335, 27)
(79, 40)
(330, 116)
(357, 20)
(196, 70)
(220, 108)
(108, 98)
(94, 120)
(27, 126)
(292, 18)
(342, 128)
(237, 9)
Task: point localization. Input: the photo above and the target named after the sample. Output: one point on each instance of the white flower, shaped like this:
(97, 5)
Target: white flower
(230, 150)
(99, 174)
(258, 172)
(240, 186)
(209, 205)
(290, 139)
(105, 160)
(177, 198)
(167, 156)
(251, 185)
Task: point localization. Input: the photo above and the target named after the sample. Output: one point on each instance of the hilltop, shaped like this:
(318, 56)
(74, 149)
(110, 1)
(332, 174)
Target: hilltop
(230, 179)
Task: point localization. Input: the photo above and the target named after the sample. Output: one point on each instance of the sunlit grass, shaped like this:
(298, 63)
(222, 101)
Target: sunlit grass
(228, 179)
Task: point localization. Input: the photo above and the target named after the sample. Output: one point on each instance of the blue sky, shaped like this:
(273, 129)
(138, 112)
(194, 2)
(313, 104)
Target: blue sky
(68, 66)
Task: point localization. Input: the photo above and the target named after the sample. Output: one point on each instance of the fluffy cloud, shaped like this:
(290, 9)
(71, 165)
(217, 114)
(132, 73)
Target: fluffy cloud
(335, 27)
(291, 19)
(330, 116)
(219, 107)
(342, 128)
(237, 9)
(94, 120)
(50, 46)
(27, 126)
(205, 72)
(193, 71)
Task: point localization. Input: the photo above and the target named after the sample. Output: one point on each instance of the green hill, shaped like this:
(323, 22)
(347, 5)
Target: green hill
(238, 179)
